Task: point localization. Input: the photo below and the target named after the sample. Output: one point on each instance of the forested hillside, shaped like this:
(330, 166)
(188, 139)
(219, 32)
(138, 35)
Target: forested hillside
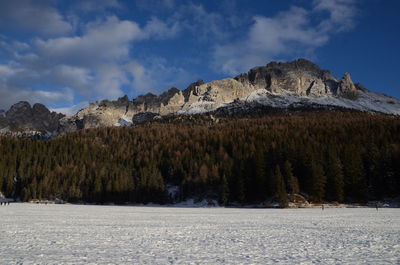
(338, 156)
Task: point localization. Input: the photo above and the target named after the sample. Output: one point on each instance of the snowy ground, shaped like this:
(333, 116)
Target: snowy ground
(55, 234)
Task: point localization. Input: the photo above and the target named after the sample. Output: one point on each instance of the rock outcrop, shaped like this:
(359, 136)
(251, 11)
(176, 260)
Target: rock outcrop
(21, 118)
(301, 77)
(346, 87)
(122, 111)
(3, 119)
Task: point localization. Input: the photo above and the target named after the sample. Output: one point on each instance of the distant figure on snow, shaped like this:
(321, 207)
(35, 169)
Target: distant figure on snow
(322, 207)
(376, 206)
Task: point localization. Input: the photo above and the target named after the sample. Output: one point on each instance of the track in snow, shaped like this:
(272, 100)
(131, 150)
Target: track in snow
(76, 234)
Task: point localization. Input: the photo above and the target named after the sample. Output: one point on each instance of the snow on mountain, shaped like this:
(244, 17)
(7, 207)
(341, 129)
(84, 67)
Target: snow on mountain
(367, 101)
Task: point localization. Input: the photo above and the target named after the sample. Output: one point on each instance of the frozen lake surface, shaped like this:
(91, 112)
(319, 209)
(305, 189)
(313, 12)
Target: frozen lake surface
(60, 234)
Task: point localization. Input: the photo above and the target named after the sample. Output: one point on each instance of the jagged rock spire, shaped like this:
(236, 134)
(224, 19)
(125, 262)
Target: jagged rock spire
(347, 88)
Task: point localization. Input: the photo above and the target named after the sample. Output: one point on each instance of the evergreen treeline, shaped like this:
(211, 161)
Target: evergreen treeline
(327, 156)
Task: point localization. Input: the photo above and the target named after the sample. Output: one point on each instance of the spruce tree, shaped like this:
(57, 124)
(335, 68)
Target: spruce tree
(356, 188)
(318, 181)
(280, 189)
(335, 179)
(223, 191)
(292, 184)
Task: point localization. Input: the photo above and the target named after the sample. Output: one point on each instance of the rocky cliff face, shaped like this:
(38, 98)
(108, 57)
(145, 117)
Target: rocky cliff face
(300, 77)
(346, 88)
(123, 112)
(295, 84)
(24, 119)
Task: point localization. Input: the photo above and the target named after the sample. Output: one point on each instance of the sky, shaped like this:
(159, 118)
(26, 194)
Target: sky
(65, 54)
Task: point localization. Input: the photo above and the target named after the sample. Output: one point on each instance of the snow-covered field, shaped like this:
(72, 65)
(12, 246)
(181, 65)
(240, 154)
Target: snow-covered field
(56, 234)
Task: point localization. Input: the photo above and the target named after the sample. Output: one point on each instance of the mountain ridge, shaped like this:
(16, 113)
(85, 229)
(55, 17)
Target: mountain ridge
(282, 85)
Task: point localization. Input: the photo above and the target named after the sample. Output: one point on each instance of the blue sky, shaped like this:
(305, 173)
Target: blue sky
(65, 54)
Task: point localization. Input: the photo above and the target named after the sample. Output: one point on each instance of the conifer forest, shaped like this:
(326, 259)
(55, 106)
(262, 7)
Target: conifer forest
(325, 156)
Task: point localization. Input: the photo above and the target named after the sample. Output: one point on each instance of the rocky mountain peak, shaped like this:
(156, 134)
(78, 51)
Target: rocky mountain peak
(347, 88)
(192, 88)
(167, 95)
(145, 99)
(20, 108)
(22, 117)
(299, 65)
(301, 77)
(123, 99)
(40, 108)
(347, 82)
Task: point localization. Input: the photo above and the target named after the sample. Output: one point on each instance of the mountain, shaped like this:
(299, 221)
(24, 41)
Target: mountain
(22, 119)
(299, 84)
(295, 84)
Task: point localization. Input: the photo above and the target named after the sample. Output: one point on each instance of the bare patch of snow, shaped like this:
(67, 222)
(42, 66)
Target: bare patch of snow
(198, 107)
(123, 122)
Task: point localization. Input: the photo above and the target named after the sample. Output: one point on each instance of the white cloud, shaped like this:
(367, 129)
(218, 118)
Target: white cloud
(342, 14)
(288, 34)
(52, 96)
(165, 76)
(6, 71)
(71, 110)
(156, 76)
(33, 16)
(93, 65)
(203, 25)
(105, 41)
(76, 77)
(10, 94)
(101, 42)
(158, 29)
(108, 82)
(8, 46)
(141, 80)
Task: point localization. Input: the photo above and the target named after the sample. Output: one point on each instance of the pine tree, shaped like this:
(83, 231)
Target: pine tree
(223, 191)
(97, 189)
(259, 180)
(292, 184)
(335, 179)
(318, 181)
(354, 174)
(280, 189)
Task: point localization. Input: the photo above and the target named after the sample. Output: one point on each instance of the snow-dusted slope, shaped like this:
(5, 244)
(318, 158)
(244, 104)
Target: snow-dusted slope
(366, 101)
